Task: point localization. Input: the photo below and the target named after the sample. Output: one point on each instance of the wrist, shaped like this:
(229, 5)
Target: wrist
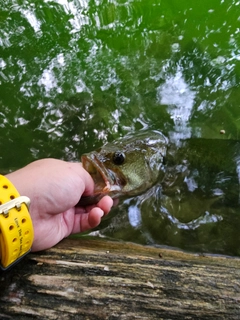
(16, 229)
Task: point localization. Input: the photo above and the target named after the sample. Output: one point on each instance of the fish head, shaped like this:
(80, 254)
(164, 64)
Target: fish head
(127, 166)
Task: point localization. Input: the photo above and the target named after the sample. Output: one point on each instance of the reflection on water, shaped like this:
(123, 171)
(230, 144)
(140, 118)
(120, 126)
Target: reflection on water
(75, 74)
(176, 93)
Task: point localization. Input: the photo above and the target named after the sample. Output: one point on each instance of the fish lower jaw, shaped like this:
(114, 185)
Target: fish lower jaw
(111, 188)
(115, 188)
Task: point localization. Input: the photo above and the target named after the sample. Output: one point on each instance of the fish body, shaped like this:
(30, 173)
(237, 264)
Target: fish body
(131, 165)
(193, 201)
(126, 167)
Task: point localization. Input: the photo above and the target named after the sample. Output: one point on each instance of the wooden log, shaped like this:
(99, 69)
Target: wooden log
(99, 279)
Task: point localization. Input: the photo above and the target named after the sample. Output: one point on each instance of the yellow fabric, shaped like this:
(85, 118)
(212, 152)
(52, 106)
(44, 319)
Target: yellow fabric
(16, 229)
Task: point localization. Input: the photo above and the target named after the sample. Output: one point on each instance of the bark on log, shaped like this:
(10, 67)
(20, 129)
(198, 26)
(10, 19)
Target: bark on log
(100, 279)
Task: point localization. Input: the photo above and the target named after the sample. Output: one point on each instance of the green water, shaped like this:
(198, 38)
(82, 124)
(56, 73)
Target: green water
(75, 74)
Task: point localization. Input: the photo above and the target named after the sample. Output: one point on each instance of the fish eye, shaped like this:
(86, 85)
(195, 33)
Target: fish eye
(118, 158)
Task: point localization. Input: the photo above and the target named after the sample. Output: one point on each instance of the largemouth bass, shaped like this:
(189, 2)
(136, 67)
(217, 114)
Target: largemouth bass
(126, 167)
(133, 164)
(193, 199)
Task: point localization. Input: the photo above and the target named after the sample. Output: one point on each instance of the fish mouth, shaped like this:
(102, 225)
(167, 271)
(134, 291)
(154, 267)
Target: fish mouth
(105, 181)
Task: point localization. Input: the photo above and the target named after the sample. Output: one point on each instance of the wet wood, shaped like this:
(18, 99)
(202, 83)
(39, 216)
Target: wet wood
(99, 279)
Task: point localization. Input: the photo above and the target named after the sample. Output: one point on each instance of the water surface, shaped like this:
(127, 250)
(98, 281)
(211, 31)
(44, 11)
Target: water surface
(75, 74)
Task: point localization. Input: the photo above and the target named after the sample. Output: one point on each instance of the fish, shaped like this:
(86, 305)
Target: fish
(131, 165)
(127, 166)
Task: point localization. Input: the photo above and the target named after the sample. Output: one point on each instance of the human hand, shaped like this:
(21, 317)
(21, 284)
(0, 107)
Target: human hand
(54, 188)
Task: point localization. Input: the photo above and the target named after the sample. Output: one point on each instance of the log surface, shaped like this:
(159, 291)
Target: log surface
(100, 279)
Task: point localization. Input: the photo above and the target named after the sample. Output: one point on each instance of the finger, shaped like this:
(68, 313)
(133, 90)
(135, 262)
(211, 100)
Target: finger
(91, 218)
(84, 222)
(88, 181)
(94, 217)
(105, 204)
